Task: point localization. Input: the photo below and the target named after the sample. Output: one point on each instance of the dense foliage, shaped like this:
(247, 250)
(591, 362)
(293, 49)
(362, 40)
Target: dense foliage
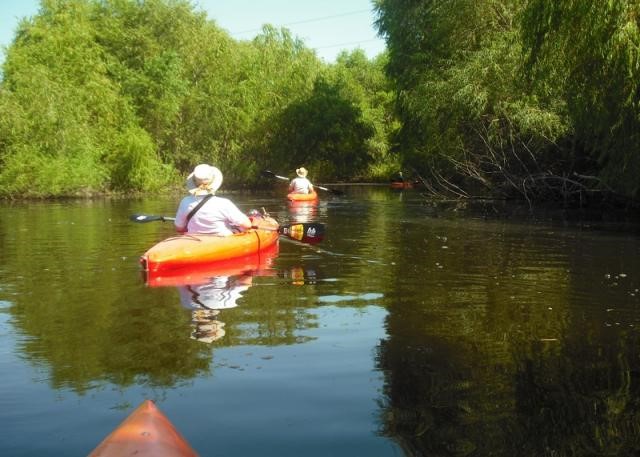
(528, 98)
(122, 95)
(532, 99)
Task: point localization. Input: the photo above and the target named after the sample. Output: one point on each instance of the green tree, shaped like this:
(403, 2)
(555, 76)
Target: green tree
(591, 51)
(364, 82)
(325, 132)
(471, 122)
(121, 95)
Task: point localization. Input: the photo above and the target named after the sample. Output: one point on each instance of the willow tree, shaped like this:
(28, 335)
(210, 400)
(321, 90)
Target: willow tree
(591, 50)
(364, 83)
(276, 71)
(62, 115)
(470, 120)
(324, 132)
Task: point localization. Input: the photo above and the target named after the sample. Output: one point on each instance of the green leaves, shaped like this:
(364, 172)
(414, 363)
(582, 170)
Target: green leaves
(590, 51)
(126, 96)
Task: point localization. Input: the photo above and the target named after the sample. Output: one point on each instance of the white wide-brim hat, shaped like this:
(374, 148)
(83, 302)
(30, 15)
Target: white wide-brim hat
(205, 179)
(302, 172)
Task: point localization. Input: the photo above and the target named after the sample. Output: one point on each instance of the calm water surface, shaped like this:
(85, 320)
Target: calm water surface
(410, 330)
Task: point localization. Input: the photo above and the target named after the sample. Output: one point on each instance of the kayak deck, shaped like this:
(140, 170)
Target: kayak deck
(145, 432)
(194, 248)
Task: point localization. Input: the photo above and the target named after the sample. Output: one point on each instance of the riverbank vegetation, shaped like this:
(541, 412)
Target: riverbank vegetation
(478, 98)
(121, 96)
(533, 99)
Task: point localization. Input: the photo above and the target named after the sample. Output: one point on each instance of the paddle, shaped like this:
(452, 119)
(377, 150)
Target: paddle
(149, 218)
(307, 232)
(270, 174)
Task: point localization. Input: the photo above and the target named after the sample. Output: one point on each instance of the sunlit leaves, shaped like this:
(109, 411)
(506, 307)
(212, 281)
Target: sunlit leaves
(132, 94)
(593, 51)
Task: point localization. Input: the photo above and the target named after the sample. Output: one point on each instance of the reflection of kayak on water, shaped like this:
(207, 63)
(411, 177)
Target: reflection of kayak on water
(145, 432)
(303, 210)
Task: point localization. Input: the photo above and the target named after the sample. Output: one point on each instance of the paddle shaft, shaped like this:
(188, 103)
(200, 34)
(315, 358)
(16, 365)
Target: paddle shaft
(308, 232)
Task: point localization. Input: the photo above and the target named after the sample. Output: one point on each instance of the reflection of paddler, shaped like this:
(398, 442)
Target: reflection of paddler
(207, 328)
(206, 301)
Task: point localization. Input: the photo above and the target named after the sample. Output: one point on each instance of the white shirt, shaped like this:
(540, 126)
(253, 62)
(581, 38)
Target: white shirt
(217, 216)
(300, 186)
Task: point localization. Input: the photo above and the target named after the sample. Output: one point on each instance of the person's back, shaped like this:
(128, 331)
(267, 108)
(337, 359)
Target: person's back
(217, 216)
(203, 212)
(300, 184)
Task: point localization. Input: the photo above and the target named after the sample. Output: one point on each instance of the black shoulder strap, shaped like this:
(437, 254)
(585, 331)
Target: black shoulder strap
(197, 207)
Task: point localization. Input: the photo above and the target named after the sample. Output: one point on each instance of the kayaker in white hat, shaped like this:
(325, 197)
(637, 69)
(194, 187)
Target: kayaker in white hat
(203, 212)
(300, 184)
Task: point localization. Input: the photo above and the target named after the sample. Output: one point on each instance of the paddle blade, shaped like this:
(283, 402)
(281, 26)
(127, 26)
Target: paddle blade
(271, 174)
(305, 232)
(333, 191)
(142, 218)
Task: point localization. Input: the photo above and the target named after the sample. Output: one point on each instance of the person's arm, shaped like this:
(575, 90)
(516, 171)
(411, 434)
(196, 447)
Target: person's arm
(181, 215)
(236, 217)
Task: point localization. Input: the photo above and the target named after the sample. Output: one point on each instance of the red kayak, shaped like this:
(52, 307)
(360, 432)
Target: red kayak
(146, 432)
(401, 185)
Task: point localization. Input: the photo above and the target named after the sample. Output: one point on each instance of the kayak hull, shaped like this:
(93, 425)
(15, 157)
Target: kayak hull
(196, 249)
(256, 264)
(145, 432)
(294, 197)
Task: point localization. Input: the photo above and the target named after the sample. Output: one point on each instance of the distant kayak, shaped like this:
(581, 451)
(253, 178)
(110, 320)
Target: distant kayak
(292, 196)
(401, 185)
(145, 432)
(194, 249)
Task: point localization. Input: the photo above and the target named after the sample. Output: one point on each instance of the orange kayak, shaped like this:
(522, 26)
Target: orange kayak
(196, 249)
(256, 264)
(302, 197)
(146, 432)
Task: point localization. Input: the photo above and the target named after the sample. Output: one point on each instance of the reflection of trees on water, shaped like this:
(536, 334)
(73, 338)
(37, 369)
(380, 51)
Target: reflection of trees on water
(140, 336)
(84, 318)
(452, 398)
(506, 364)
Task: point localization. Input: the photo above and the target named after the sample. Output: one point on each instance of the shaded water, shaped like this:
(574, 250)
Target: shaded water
(408, 331)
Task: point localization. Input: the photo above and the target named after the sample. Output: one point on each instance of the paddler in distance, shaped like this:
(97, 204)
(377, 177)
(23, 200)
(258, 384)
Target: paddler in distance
(300, 184)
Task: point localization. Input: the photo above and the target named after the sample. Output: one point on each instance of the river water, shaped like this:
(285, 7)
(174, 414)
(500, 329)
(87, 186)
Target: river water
(411, 329)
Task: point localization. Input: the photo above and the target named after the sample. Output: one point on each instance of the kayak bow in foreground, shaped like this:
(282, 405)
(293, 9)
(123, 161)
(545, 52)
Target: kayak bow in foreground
(145, 432)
